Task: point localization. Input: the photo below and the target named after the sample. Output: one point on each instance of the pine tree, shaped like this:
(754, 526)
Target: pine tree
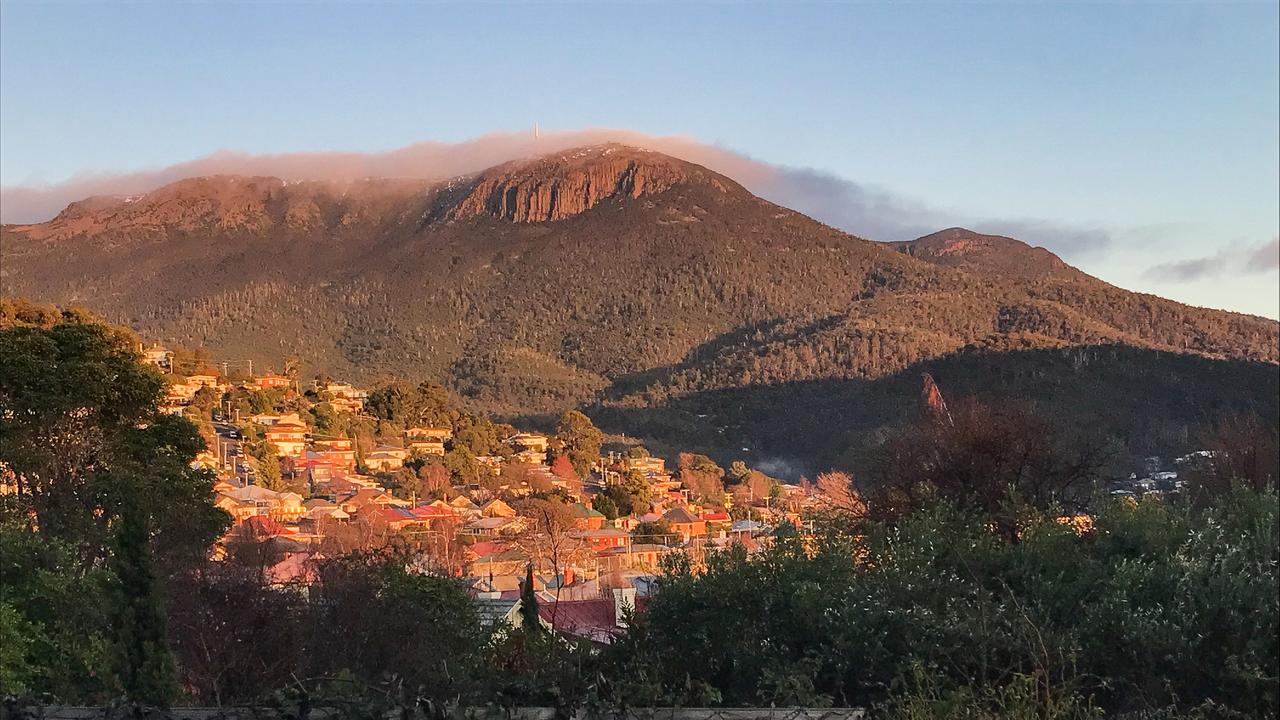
(529, 619)
(145, 663)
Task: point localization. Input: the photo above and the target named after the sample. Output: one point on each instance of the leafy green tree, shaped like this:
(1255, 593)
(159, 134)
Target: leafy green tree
(54, 618)
(605, 505)
(581, 440)
(103, 502)
(82, 430)
(369, 614)
(462, 465)
(658, 532)
(638, 490)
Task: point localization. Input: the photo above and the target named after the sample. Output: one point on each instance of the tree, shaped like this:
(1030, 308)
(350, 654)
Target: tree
(639, 491)
(529, 619)
(462, 465)
(983, 458)
(836, 488)
(563, 468)
(205, 400)
(370, 615)
(270, 476)
(581, 440)
(143, 659)
(658, 532)
(82, 431)
(1242, 450)
(702, 477)
(605, 505)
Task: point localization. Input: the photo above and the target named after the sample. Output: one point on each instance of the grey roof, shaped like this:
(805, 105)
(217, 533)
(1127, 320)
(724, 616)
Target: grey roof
(492, 610)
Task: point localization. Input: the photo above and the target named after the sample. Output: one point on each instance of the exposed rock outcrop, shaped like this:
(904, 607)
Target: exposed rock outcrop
(559, 187)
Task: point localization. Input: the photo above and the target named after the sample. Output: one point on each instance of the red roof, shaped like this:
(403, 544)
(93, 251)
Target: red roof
(591, 618)
(433, 512)
(485, 548)
(263, 526)
(395, 514)
(716, 517)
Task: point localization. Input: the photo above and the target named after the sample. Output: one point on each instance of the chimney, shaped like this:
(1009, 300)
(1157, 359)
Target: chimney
(624, 600)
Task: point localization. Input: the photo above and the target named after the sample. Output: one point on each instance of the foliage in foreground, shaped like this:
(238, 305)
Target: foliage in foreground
(1157, 606)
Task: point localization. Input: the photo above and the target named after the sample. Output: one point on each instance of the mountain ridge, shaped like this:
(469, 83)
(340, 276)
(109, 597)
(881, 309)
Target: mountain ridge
(630, 276)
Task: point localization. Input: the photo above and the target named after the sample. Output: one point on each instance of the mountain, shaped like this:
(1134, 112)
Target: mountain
(605, 275)
(961, 248)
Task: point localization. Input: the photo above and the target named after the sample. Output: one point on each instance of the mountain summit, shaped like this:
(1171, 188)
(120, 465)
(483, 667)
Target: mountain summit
(562, 185)
(961, 248)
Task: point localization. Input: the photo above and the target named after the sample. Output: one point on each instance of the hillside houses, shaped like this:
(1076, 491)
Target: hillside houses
(343, 480)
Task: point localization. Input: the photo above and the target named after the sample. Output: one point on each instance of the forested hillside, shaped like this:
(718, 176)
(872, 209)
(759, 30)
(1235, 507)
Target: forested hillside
(606, 274)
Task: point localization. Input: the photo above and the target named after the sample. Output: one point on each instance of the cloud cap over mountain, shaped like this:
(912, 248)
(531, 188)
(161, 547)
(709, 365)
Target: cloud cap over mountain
(860, 209)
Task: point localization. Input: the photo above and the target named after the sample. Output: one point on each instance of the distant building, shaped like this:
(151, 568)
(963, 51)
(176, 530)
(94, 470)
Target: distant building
(269, 381)
(160, 356)
(427, 440)
(288, 437)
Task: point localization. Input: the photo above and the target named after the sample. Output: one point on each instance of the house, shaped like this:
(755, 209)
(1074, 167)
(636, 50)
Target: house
(397, 518)
(746, 529)
(624, 522)
(647, 466)
(717, 521)
(528, 441)
(637, 556)
(587, 518)
(427, 440)
(288, 437)
(493, 526)
(386, 458)
(497, 508)
(529, 448)
(293, 567)
(339, 452)
(159, 356)
(492, 567)
(320, 509)
(254, 501)
(271, 380)
(433, 513)
(494, 609)
(203, 380)
(599, 620)
(267, 420)
(205, 459)
(492, 463)
(463, 506)
(345, 397)
(604, 538)
(180, 393)
(685, 523)
(365, 497)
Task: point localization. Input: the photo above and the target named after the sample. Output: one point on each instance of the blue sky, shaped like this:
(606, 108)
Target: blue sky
(1156, 125)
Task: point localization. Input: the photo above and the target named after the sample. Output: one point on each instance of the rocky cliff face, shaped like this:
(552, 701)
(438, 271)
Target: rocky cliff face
(559, 187)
